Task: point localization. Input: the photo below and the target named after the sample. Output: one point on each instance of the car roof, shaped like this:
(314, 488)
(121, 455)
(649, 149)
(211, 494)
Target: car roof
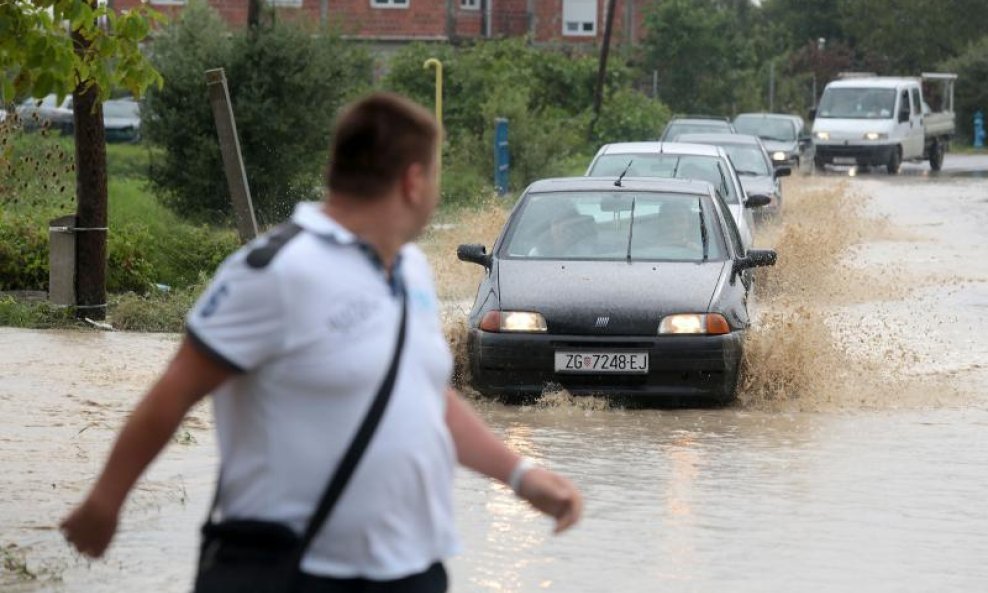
(720, 139)
(682, 148)
(882, 82)
(656, 184)
(701, 120)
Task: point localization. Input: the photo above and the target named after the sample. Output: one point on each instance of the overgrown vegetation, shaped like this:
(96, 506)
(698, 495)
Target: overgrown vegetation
(286, 86)
(545, 94)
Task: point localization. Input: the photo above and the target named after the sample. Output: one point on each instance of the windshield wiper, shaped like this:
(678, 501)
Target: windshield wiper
(623, 173)
(631, 226)
(703, 229)
(754, 173)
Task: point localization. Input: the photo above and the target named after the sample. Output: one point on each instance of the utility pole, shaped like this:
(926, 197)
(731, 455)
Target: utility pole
(605, 48)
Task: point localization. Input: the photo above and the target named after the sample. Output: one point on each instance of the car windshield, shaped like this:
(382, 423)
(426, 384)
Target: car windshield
(122, 109)
(703, 168)
(675, 130)
(767, 128)
(748, 159)
(857, 103)
(614, 226)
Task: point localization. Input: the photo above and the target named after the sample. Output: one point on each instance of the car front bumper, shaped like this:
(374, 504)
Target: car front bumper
(680, 367)
(850, 154)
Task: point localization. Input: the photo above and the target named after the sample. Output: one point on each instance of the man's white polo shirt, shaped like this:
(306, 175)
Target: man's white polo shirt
(312, 331)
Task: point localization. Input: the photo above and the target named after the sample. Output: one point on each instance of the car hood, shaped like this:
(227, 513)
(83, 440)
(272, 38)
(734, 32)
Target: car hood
(776, 145)
(758, 184)
(850, 129)
(574, 295)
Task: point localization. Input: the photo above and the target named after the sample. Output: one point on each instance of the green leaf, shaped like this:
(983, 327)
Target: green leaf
(44, 85)
(8, 90)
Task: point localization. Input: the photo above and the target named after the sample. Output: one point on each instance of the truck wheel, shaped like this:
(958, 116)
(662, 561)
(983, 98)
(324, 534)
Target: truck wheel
(936, 155)
(895, 161)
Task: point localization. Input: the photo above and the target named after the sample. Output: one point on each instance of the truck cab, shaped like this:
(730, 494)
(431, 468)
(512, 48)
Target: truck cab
(882, 121)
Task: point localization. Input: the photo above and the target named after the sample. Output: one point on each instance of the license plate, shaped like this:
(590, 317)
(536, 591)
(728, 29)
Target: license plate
(602, 362)
(845, 160)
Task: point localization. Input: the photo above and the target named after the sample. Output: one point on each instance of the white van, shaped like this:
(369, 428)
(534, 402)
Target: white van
(883, 121)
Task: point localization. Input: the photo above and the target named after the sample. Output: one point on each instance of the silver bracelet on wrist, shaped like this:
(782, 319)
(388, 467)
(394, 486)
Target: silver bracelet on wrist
(517, 474)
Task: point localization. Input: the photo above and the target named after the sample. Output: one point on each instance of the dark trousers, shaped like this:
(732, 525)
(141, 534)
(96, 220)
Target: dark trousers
(433, 580)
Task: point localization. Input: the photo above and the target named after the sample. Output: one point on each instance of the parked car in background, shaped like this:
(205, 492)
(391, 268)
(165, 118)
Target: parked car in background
(46, 112)
(683, 161)
(785, 137)
(121, 117)
(695, 124)
(634, 288)
(122, 120)
(754, 167)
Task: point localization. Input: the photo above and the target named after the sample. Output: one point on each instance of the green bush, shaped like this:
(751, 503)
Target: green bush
(971, 93)
(34, 315)
(23, 253)
(629, 116)
(286, 86)
(545, 94)
(155, 312)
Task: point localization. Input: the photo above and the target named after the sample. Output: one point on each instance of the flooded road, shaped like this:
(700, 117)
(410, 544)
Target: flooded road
(862, 465)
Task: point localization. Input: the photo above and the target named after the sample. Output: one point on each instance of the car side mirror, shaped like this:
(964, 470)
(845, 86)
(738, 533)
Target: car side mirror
(783, 171)
(474, 253)
(812, 113)
(756, 258)
(805, 141)
(758, 201)
(903, 116)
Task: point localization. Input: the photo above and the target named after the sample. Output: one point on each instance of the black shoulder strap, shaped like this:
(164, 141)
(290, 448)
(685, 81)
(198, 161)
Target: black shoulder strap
(352, 457)
(261, 256)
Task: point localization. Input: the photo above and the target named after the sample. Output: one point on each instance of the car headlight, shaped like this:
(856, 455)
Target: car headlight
(779, 156)
(694, 323)
(876, 136)
(513, 321)
(823, 135)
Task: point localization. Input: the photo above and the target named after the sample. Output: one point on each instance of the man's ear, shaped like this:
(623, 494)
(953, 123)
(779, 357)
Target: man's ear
(413, 183)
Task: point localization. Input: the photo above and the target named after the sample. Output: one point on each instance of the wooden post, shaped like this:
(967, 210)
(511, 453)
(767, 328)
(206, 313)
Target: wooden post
(233, 163)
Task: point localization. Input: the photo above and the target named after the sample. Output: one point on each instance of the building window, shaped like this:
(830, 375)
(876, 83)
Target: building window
(470, 4)
(288, 3)
(167, 2)
(389, 3)
(580, 18)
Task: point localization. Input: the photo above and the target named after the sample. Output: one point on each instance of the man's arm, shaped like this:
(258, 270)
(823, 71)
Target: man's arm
(478, 448)
(189, 377)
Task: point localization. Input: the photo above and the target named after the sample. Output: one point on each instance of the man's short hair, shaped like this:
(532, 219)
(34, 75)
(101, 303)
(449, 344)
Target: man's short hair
(375, 140)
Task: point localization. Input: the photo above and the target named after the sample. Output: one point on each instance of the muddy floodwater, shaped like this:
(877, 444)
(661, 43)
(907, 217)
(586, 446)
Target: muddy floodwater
(856, 461)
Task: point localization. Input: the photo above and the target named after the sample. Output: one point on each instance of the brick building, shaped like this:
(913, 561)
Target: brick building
(396, 21)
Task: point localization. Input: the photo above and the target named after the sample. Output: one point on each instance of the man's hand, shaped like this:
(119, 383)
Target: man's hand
(91, 526)
(554, 495)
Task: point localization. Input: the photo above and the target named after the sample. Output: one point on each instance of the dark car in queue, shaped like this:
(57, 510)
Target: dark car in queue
(785, 137)
(631, 287)
(695, 124)
(754, 167)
